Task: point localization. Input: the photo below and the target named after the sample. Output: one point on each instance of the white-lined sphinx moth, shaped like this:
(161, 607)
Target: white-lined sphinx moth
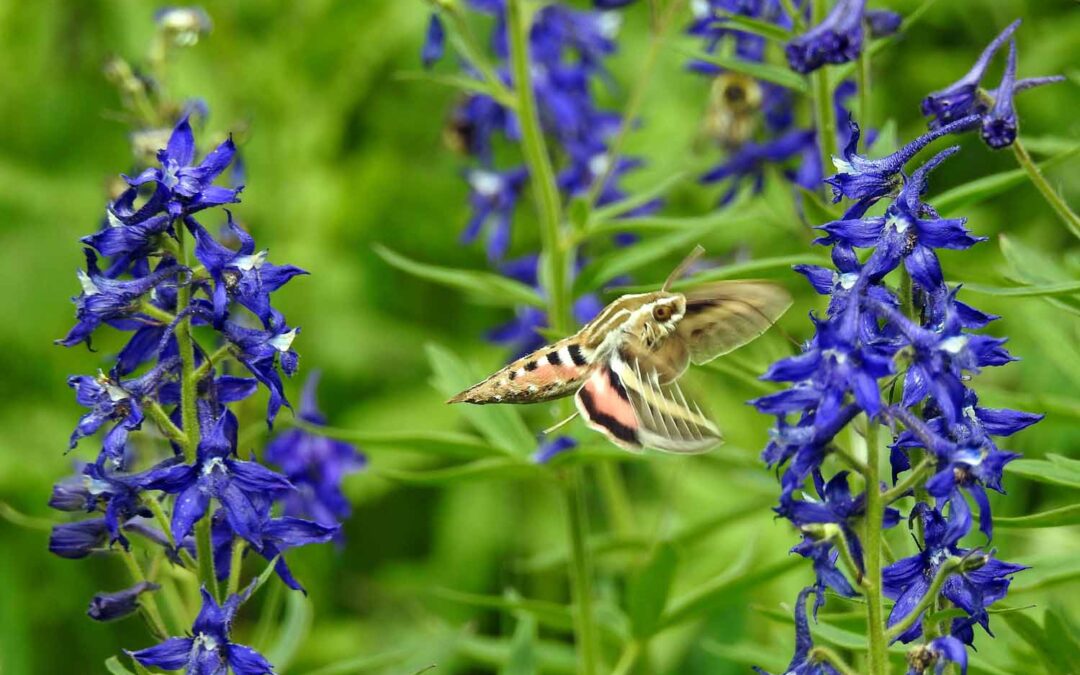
(623, 366)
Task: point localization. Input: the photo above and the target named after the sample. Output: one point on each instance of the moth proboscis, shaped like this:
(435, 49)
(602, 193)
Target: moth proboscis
(623, 366)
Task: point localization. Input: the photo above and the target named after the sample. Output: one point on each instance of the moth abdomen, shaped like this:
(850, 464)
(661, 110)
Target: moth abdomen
(548, 373)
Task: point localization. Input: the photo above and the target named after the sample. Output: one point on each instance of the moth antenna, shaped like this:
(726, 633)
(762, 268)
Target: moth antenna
(689, 260)
(559, 425)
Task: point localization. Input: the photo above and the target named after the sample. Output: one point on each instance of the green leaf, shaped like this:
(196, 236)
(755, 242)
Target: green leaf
(438, 443)
(522, 660)
(293, 631)
(113, 665)
(647, 593)
(551, 657)
(1043, 471)
(578, 212)
(755, 27)
(973, 192)
(490, 287)
(461, 83)
(550, 614)
(359, 664)
(815, 210)
(264, 576)
(1039, 640)
(1045, 573)
(628, 259)
(609, 212)
(1045, 290)
(780, 75)
(759, 266)
(1066, 515)
(501, 425)
(489, 469)
(1030, 266)
(749, 655)
(1063, 637)
(725, 218)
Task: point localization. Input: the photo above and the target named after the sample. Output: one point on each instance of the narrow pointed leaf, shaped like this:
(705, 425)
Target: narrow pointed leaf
(487, 286)
(1066, 515)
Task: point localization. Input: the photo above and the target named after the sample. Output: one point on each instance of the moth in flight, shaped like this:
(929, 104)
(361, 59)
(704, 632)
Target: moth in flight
(623, 366)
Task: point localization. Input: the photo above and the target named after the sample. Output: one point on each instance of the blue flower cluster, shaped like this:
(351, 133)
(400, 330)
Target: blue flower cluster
(153, 291)
(740, 104)
(871, 338)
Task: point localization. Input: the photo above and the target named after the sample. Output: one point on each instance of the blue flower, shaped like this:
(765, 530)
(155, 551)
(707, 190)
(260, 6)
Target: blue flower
(131, 232)
(78, 540)
(242, 275)
(882, 22)
(837, 39)
(861, 178)
(115, 400)
(315, 465)
(748, 161)
(938, 653)
(979, 581)
(494, 196)
(999, 124)
(106, 300)
(550, 448)
(434, 42)
(804, 662)
(278, 536)
(235, 484)
(190, 187)
(261, 351)
(960, 99)
(110, 606)
(209, 650)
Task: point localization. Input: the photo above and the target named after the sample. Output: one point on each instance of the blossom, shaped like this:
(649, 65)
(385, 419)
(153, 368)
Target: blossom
(837, 39)
(979, 580)
(104, 299)
(494, 196)
(261, 351)
(315, 465)
(79, 539)
(242, 275)
(960, 98)
(747, 162)
(209, 650)
(434, 42)
(189, 187)
(110, 606)
(129, 231)
(999, 124)
(804, 661)
(549, 449)
(234, 483)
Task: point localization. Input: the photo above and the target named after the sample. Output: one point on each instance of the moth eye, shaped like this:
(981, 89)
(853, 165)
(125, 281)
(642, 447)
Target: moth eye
(662, 312)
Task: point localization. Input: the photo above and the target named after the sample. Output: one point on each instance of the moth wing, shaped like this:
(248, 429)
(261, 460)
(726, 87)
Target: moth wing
(666, 419)
(723, 316)
(604, 404)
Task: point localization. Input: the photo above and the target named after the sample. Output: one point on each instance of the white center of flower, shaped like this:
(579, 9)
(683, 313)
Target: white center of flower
(599, 164)
(953, 345)
(609, 24)
(111, 219)
(94, 486)
(207, 641)
(88, 285)
(700, 8)
(246, 263)
(283, 341)
(839, 356)
(215, 464)
(486, 183)
(901, 225)
(847, 280)
(842, 165)
(168, 178)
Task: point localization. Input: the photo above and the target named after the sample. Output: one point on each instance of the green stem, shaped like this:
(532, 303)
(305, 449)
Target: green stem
(204, 553)
(628, 659)
(234, 566)
(555, 274)
(164, 423)
(915, 478)
(618, 502)
(154, 312)
(215, 358)
(1071, 220)
(580, 570)
(795, 14)
(927, 600)
(863, 79)
(188, 384)
(824, 114)
(147, 602)
(824, 654)
(268, 615)
(878, 660)
(907, 297)
(847, 559)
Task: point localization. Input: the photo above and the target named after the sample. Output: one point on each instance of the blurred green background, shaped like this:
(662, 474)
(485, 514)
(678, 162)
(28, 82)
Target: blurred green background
(342, 153)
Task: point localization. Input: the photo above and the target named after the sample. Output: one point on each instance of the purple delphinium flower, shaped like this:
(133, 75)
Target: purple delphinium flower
(837, 39)
(494, 196)
(979, 583)
(79, 539)
(315, 465)
(261, 352)
(111, 606)
(552, 447)
(999, 123)
(803, 662)
(434, 42)
(190, 187)
(209, 650)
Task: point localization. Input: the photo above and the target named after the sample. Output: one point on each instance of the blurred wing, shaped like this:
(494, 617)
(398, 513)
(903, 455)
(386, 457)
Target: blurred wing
(604, 404)
(723, 316)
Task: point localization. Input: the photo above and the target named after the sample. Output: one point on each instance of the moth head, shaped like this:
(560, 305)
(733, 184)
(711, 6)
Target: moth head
(658, 316)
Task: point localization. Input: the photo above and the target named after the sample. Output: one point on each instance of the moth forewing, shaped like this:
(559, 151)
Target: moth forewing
(723, 316)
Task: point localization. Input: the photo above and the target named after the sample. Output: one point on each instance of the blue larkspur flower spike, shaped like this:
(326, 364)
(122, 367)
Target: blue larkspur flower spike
(209, 650)
(315, 465)
(961, 98)
(190, 186)
(837, 39)
(803, 662)
(999, 124)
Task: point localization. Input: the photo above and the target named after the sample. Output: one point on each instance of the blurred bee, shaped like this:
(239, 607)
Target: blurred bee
(732, 116)
(459, 132)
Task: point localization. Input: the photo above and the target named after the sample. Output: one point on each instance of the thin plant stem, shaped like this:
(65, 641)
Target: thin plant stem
(824, 654)
(163, 522)
(147, 603)
(204, 553)
(618, 502)
(878, 660)
(581, 571)
(628, 659)
(235, 564)
(165, 425)
(555, 274)
(795, 14)
(824, 114)
(204, 368)
(915, 478)
(268, 614)
(847, 559)
(1071, 220)
(863, 80)
(186, 343)
(175, 609)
